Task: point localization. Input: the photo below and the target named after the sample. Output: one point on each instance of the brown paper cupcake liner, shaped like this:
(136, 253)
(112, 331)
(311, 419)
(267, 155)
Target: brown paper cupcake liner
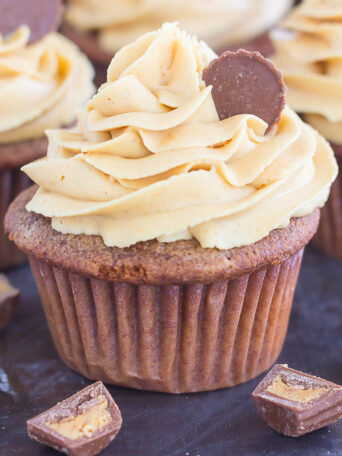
(173, 338)
(12, 182)
(329, 235)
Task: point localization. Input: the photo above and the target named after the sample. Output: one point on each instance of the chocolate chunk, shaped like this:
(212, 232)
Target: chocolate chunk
(246, 83)
(41, 16)
(9, 300)
(294, 403)
(82, 425)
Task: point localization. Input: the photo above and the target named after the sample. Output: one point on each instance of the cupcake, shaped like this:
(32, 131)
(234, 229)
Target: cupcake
(102, 27)
(309, 52)
(165, 242)
(43, 79)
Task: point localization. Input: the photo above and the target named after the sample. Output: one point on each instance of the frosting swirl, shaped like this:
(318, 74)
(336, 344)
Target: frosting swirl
(41, 84)
(218, 22)
(309, 52)
(150, 158)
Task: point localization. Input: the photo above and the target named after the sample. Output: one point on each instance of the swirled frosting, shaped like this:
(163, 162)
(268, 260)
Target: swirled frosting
(309, 52)
(41, 84)
(150, 158)
(218, 22)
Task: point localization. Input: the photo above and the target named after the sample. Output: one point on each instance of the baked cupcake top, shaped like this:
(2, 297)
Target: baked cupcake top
(218, 22)
(309, 52)
(41, 84)
(150, 159)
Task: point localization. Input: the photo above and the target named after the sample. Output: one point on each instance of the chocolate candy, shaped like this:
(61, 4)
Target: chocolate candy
(9, 300)
(82, 425)
(41, 16)
(294, 403)
(246, 83)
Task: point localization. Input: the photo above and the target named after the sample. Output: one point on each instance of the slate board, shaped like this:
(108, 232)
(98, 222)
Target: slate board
(220, 423)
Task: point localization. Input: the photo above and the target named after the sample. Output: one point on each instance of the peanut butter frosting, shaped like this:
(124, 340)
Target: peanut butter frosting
(41, 84)
(150, 159)
(309, 52)
(218, 22)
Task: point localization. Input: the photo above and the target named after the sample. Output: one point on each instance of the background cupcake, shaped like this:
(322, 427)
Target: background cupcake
(42, 83)
(172, 240)
(102, 27)
(309, 52)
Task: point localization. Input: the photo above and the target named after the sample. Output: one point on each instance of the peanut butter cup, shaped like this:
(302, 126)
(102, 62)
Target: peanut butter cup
(294, 403)
(82, 425)
(42, 17)
(246, 83)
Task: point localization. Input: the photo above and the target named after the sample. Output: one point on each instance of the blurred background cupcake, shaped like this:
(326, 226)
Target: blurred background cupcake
(102, 27)
(308, 49)
(42, 83)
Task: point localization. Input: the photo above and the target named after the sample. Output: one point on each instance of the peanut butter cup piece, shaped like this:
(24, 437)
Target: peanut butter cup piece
(9, 299)
(294, 403)
(246, 83)
(82, 425)
(41, 16)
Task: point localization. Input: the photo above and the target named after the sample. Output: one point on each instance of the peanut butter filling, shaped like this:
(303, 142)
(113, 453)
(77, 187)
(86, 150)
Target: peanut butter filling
(85, 424)
(297, 393)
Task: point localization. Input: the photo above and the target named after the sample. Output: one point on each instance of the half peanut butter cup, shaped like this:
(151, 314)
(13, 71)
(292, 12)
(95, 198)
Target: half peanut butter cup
(246, 83)
(41, 16)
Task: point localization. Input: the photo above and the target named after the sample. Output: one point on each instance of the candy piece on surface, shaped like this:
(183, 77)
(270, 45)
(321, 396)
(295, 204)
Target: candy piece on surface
(82, 425)
(294, 403)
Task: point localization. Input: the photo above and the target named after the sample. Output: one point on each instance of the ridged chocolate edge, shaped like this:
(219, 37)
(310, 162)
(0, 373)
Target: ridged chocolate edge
(286, 422)
(328, 238)
(173, 338)
(38, 431)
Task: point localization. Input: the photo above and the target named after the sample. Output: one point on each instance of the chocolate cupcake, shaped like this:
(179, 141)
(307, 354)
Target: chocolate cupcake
(43, 82)
(309, 52)
(102, 27)
(172, 240)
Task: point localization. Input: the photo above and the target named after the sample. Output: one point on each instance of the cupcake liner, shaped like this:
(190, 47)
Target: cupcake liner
(12, 182)
(329, 235)
(174, 338)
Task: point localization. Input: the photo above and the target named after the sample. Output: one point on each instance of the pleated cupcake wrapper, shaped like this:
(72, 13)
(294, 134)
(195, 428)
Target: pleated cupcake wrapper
(329, 235)
(12, 182)
(173, 338)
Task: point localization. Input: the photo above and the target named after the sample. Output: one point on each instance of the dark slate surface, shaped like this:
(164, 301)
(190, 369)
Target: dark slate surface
(32, 378)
